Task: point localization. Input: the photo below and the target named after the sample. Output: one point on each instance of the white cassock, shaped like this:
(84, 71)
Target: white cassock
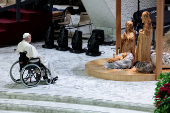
(33, 53)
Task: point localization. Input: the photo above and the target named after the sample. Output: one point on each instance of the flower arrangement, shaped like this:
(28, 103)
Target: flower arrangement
(162, 94)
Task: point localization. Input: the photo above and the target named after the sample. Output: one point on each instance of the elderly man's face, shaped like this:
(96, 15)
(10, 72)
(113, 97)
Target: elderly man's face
(29, 38)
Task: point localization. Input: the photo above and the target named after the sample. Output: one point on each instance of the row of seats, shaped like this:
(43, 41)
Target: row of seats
(84, 19)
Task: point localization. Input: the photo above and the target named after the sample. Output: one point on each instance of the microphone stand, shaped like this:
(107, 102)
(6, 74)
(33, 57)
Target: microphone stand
(138, 8)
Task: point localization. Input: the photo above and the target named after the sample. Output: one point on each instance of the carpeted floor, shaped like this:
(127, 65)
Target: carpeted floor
(73, 79)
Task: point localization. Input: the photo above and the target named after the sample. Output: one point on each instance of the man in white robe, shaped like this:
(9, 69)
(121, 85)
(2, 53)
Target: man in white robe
(33, 53)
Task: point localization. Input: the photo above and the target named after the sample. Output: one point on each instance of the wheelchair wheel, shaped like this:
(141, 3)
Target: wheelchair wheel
(48, 81)
(31, 75)
(15, 72)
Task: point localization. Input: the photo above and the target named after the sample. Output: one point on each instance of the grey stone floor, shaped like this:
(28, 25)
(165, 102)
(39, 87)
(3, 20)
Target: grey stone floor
(73, 80)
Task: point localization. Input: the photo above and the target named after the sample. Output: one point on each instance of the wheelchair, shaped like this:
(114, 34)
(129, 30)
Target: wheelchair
(29, 71)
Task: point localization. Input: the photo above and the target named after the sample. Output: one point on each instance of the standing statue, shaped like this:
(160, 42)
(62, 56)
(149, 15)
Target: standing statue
(144, 39)
(128, 39)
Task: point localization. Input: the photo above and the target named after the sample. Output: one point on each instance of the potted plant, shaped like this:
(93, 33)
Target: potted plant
(162, 94)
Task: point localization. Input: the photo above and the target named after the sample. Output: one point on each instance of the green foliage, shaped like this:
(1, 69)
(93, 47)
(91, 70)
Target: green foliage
(162, 94)
(164, 106)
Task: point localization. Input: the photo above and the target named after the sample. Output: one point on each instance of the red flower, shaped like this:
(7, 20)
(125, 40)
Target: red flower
(158, 96)
(163, 89)
(158, 103)
(159, 93)
(167, 84)
(169, 92)
(163, 93)
(164, 97)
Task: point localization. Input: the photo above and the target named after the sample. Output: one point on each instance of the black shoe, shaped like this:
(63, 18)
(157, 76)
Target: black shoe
(54, 79)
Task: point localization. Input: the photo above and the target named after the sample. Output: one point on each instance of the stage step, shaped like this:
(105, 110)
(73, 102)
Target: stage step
(11, 26)
(25, 14)
(75, 100)
(34, 22)
(7, 111)
(22, 10)
(6, 21)
(54, 107)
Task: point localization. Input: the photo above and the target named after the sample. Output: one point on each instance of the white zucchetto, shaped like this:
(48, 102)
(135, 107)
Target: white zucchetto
(25, 35)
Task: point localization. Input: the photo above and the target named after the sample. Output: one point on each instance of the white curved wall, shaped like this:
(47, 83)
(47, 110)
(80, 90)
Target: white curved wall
(102, 17)
(103, 13)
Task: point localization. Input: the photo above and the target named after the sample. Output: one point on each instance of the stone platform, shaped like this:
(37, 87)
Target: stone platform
(96, 68)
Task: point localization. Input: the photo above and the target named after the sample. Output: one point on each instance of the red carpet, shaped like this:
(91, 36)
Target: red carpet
(34, 22)
(23, 10)
(5, 21)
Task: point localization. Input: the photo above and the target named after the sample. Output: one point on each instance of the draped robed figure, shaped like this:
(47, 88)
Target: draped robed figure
(128, 39)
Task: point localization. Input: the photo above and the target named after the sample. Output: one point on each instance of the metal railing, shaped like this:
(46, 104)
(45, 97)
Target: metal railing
(19, 4)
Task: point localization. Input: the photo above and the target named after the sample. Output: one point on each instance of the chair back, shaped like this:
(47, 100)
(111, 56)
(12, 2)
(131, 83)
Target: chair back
(3, 2)
(67, 19)
(67, 12)
(11, 2)
(23, 59)
(84, 18)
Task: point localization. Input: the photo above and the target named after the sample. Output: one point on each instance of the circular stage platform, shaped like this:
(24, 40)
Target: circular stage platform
(96, 68)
